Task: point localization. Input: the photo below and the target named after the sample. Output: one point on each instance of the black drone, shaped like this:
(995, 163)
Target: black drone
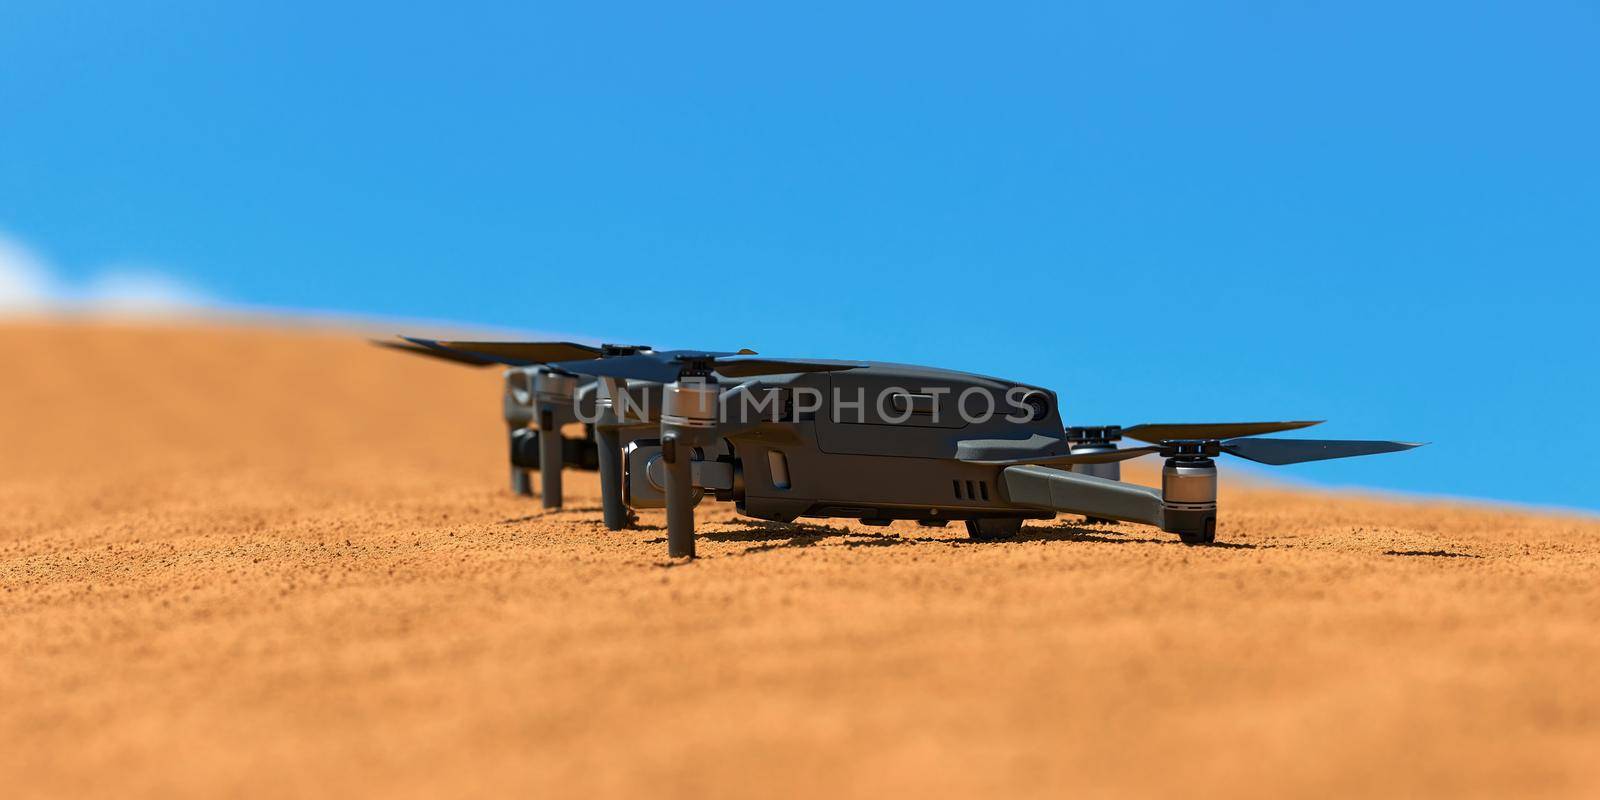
(789, 438)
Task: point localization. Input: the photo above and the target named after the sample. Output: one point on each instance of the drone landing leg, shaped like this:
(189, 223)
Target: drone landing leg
(608, 441)
(550, 464)
(520, 483)
(680, 498)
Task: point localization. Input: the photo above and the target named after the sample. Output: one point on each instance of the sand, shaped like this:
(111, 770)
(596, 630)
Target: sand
(245, 562)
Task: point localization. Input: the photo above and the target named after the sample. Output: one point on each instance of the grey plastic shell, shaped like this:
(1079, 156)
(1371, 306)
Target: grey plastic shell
(1070, 492)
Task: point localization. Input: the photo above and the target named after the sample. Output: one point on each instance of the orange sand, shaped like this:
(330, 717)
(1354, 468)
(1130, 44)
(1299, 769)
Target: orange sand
(242, 562)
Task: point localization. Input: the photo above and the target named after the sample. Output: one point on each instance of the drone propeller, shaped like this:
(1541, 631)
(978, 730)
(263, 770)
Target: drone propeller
(627, 363)
(445, 355)
(540, 395)
(1166, 432)
(1095, 451)
(1296, 451)
(1077, 459)
(666, 366)
(1276, 452)
(516, 354)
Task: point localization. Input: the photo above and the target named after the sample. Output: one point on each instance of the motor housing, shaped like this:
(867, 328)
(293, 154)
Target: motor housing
(690, 404)
(1189, 498)
(554, 387)
(1110, 471)
(1101, 439)
(517, 401)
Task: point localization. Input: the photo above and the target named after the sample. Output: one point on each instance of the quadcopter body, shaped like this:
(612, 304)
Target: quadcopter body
(784, 439)
(809, 444)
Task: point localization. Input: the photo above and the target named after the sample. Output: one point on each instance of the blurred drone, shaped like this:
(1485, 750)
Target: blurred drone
(784, 439)
(538, 397)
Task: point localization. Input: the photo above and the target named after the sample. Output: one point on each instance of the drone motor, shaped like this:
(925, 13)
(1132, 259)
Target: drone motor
(1189, 492)
(1096, 439)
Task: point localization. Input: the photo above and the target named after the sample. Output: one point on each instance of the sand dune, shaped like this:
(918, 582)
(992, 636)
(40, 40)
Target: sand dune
(242, 562)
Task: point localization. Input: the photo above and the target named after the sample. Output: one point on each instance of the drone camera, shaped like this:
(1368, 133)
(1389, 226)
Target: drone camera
(1038, 404)
(644, 480)
(525, 448)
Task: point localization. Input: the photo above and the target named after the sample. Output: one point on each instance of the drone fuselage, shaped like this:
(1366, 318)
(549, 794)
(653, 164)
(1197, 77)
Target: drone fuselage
(881, 442)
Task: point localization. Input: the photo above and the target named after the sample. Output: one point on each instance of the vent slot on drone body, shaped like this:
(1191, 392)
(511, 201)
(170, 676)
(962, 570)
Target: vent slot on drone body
(970, 490)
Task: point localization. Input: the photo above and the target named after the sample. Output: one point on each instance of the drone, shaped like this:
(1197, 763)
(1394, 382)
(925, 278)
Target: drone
(785, 439)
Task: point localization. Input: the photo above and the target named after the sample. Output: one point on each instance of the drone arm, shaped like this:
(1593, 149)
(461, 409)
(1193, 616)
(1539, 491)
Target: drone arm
(1074, 493)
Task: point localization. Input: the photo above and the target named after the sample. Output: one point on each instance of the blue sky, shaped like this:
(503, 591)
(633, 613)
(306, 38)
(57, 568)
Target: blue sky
(1380, 214)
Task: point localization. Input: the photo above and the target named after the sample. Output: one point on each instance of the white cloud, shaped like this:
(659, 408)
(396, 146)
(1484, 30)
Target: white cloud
(140, 289)
(25, 284)
(29, 286)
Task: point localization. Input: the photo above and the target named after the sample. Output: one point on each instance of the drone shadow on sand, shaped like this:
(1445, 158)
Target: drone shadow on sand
(635, 525)
(765, 536)
(1430, 554)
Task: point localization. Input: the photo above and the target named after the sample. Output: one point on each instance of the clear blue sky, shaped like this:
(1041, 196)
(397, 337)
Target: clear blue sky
(1384, 214)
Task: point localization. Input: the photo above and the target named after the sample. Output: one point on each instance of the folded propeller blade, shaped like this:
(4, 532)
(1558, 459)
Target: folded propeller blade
(1108, 457)
(742, 367)
(1295, 451)
(1160, 432)
(517, 354)
(444, 355)
(1069, 459)
(664, 366)
(641, 366)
